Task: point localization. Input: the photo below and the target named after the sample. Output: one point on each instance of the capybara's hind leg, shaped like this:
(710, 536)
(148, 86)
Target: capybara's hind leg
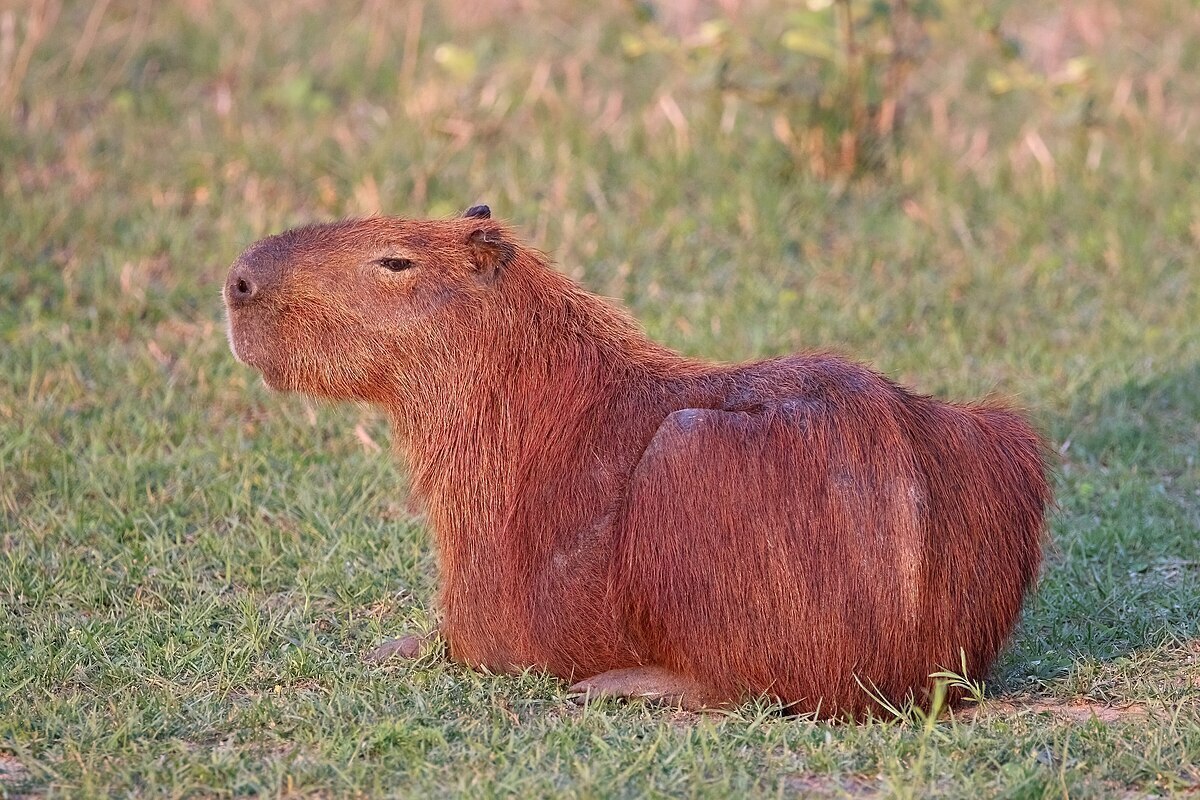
(412, 646)
(648, 683)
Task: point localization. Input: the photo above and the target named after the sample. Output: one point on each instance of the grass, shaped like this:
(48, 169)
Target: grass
(191, 566)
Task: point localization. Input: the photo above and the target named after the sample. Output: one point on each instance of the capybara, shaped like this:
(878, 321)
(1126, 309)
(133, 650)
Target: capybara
(641, 523)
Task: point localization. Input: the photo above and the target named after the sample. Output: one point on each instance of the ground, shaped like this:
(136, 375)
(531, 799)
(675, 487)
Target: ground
(191, 566)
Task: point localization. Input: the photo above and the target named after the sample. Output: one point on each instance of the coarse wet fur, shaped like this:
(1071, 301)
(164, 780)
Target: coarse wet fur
(642, 523)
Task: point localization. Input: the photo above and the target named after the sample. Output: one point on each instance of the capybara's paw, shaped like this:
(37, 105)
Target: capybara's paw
(646, 683)
(412, 646)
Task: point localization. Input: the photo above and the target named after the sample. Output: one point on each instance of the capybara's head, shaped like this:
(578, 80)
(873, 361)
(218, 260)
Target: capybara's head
(339, 309)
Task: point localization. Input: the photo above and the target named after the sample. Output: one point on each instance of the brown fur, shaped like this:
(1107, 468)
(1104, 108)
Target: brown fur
(794, 527)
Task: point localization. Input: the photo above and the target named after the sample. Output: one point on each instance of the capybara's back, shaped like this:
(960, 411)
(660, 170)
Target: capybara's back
(645, 524)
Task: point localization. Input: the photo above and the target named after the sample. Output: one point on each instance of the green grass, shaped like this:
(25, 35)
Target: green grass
(191, 566)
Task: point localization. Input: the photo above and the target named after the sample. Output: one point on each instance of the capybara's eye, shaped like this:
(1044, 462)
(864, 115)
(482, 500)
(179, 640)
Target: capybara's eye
(396, 264)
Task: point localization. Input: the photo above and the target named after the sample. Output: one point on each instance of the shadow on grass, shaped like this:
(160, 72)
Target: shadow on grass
(1121, 587)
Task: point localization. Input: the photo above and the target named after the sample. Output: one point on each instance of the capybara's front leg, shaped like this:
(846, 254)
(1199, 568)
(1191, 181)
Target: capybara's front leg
(649, 683)
(411, 646)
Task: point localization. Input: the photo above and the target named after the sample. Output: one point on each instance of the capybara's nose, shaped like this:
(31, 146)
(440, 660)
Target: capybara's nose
(242, 286)
(256, 273)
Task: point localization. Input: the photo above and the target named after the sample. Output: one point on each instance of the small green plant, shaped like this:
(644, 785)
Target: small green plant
(944, 681)
(972, 690)
(910, 780)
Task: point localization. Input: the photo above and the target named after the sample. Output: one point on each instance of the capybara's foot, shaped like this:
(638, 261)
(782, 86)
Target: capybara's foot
(648, 683)
(414, 645)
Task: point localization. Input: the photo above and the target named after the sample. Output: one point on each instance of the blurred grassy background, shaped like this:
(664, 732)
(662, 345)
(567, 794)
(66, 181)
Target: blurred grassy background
(996, 198)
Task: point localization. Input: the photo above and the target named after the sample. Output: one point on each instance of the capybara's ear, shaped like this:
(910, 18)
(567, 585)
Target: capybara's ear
(478, 212)
(490, 250)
